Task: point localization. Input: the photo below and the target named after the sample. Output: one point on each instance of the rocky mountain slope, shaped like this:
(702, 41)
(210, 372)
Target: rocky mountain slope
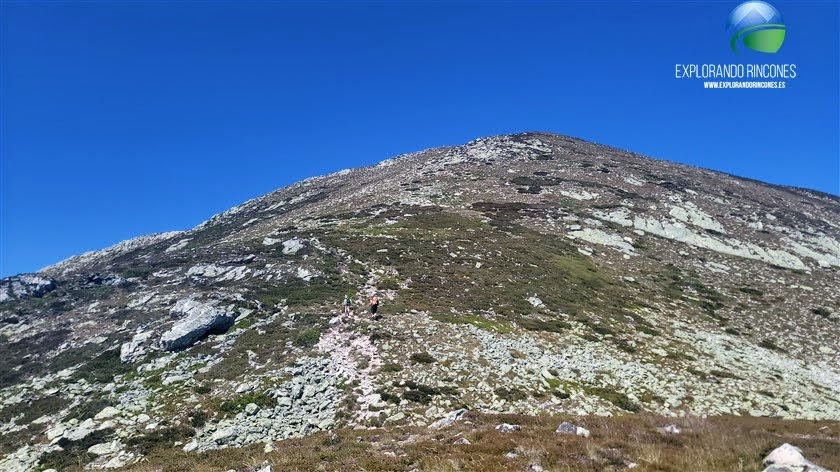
(529, 274)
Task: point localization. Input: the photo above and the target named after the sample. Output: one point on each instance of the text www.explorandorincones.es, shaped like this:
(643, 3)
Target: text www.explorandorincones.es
(743, 85)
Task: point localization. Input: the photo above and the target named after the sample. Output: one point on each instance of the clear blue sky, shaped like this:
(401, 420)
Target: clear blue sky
(126, 118)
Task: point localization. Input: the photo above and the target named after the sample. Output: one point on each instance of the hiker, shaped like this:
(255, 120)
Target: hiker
(374, 304)
(346, 304)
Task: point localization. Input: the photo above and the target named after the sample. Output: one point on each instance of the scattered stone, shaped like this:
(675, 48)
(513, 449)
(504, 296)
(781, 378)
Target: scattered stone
(224, 435)
(508, 428)
(55, 432)
(449, 419)
(105, 449)
(569, 428)
(191, 446)
(106, 413)
(671, 429)
(397, 417)
(292, 246)
(86, 427)
(534, 301)
(121, 460)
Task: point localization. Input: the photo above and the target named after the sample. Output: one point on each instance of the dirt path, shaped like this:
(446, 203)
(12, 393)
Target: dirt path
(354, 356)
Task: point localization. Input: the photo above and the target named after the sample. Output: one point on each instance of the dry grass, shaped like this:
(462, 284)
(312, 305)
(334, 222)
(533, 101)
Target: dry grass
(714, 444)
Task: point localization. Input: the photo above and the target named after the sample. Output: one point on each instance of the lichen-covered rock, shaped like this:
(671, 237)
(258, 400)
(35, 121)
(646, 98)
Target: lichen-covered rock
(200, 318)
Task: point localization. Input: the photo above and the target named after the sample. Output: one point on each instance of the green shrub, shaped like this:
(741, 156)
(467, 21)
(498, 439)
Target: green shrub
(74, 453)
(423, 358)
(238, 404)
(198, 418)
(820, 311)
(103, 368)
(751, 291)
(511, 394)
(723, 374)
(554, 326)
(88, 409)
(615, 397)
(771, 345)
(388, 397)
(307, 338)
(160, 439)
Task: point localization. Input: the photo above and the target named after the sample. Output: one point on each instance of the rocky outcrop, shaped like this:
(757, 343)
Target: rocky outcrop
(87, 259)
(199, 319)
(24, 286)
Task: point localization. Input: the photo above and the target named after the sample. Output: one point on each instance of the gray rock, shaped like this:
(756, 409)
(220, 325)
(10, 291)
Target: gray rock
(121, 460)
(105, 449)
(292, 246)
(134, 349)
(451, 418)
(569, 428)
(788, 458)
(508, 428)
(86, 427)
(107, 412)
(671, 429)
(191, 446)
(224, 435)
(200, 318)
(400, 415)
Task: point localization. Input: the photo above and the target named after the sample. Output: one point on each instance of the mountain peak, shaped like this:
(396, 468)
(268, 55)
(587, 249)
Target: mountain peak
(529, 273)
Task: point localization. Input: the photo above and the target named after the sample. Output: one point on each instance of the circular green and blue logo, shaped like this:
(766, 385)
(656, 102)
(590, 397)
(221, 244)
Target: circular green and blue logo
(756, 25)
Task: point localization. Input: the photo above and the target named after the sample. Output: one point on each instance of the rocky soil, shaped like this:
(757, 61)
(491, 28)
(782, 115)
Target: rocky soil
(530, 274)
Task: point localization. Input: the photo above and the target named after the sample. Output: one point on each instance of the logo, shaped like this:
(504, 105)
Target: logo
(756, 25)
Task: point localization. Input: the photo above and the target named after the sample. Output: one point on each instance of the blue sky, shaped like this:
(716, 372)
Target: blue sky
(121, 119)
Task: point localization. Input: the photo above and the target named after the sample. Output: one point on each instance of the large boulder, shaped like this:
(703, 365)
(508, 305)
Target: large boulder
(199, 319)
(788, 458)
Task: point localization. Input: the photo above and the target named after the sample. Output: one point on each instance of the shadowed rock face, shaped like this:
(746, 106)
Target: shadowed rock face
(529, 273)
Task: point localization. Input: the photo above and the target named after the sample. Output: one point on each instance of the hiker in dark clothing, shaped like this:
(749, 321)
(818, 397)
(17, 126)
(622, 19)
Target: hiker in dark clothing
(346, 304)
(374, 304)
